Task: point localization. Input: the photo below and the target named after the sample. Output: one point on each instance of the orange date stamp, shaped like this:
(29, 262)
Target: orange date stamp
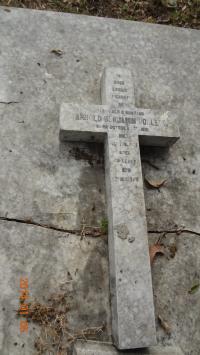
(24, 307)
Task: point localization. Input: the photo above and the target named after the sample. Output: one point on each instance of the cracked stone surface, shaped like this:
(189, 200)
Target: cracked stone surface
(53, 263)
(64, 184)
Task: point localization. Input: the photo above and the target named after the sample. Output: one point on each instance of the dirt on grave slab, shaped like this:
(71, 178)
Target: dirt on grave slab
(52, 319)
(73, 305)
(182, 13)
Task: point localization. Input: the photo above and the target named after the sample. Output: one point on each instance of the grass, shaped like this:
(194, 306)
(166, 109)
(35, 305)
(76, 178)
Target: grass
(56, 335)
(185, 14)
(104, 226)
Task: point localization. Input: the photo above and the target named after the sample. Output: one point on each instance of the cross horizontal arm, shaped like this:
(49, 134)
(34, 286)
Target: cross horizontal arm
(80, 123)
(158, 127)
(154, 127)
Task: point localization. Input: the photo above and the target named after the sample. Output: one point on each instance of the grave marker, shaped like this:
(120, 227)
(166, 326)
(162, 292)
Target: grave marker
(123, 127)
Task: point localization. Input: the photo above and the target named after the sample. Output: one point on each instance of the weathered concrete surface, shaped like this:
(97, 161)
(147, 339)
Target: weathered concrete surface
(97, 348)
(61, 185)
(54, 263)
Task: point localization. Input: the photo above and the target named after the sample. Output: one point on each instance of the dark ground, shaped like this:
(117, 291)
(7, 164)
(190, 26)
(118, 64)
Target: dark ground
(185, 14)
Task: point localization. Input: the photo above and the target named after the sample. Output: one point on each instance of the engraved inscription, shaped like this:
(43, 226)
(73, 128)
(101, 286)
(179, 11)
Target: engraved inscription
(118, 119)
(119, 88)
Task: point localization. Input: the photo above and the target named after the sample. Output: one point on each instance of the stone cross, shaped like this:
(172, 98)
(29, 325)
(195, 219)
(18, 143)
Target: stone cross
(123, 127)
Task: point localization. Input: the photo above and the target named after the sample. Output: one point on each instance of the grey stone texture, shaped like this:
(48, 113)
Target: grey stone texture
(95, 348)
(119, 124)
(64, 184)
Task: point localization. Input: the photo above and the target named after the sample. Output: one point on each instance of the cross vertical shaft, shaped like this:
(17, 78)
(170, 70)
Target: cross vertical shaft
(133, 321)
(130, 277)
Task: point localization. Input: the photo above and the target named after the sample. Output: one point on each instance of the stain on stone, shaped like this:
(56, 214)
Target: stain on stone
(122, 231)
(93, 272)
(88, 289)
(131, 239)
(112, 286)
(93, 153)
(52, 67)
(90, 181)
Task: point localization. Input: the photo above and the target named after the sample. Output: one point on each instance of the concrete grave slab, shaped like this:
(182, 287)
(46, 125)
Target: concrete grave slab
(95, 348)
(61, 185)
(120, 126)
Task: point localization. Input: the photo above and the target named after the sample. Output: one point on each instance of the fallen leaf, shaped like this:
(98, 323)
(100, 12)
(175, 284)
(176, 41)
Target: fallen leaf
(155, 184)
(164, 325)
(154, 250)
(194, 289)
(57, 52)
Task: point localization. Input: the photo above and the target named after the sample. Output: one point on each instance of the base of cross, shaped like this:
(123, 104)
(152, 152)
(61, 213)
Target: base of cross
(100, 348)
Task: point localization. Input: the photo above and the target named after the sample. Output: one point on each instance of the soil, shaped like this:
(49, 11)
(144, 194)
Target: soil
(185, 13)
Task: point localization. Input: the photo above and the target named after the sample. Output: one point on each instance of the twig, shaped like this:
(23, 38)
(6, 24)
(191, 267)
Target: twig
(174, 231)
(177, 231)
